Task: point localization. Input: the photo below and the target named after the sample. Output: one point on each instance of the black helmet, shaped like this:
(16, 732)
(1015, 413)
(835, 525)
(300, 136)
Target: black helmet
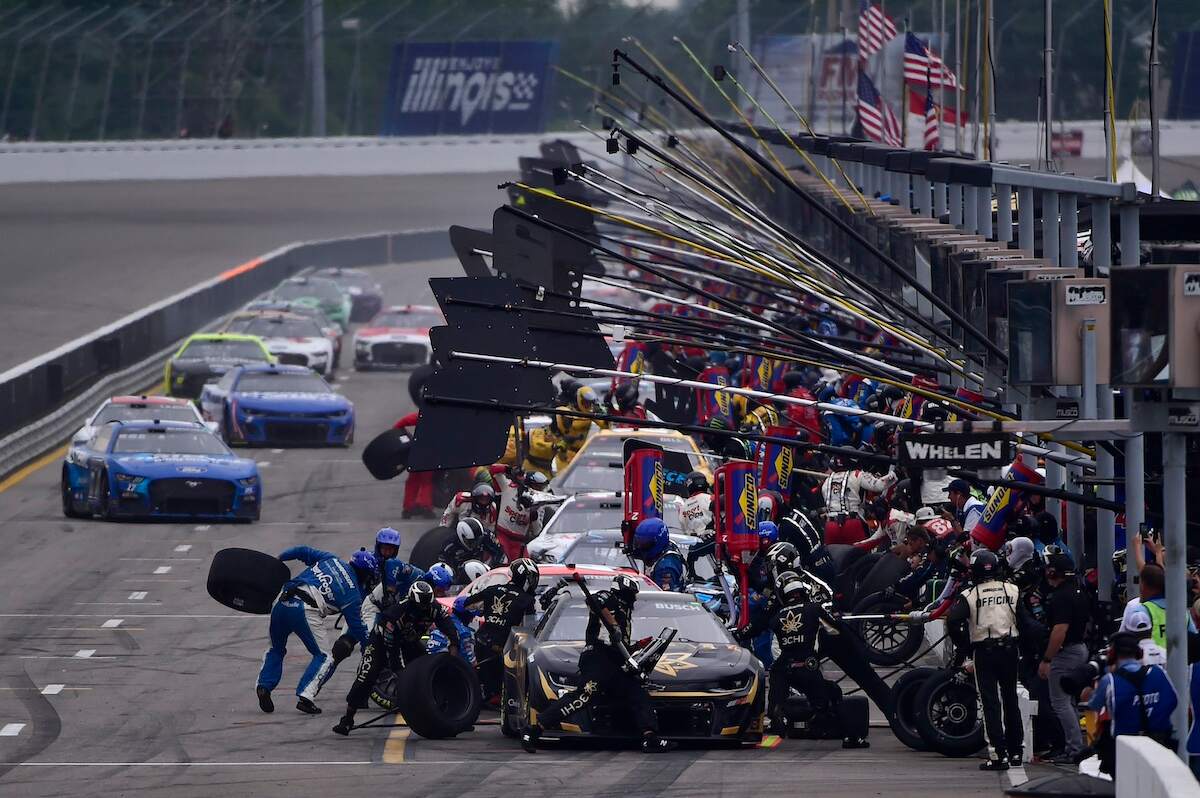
(696, 482)
(793, 590)
(470, 533)
(567, 390)
(984, 565)
(524, 574)
(783, 556)
(421, 594)
(1045, 527)
(482, 497)
(626, 396)
(625, 587)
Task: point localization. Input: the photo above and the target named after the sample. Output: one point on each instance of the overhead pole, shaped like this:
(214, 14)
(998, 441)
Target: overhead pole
(73, 92)
(46, 54)
(1047, 80)
(1154, 161)
(314, 59)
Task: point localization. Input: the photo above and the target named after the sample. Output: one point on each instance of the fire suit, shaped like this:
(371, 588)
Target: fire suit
(504, 606)
(460, 508)
(327, 587)
(517, 522)
(418, 485)
(843, 494)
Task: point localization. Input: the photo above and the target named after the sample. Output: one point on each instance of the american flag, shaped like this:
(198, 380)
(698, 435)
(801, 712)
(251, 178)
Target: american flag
(923, 67)
(875, 29)
(875, 115)
(933, 138)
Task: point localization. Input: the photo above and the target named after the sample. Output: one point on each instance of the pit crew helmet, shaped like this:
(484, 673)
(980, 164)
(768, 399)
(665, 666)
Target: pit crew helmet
(524, 574)
(482, 497)
(440, 576)
(783, 556)
(625, 587)
(386, 537)
(696, 482)
(985, 565)
(366, 569)
(421, 594)
(470, 533)
(473, 569)
(650, 538)
(768, 534)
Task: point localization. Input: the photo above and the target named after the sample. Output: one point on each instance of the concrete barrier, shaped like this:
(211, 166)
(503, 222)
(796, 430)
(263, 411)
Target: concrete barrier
(1147, 770)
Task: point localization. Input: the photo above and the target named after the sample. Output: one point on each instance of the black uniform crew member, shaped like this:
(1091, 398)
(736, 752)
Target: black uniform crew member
(502, 607)
(990, 608)
(604, 670)
(797, 626)
(1068, 611)
(395, 641)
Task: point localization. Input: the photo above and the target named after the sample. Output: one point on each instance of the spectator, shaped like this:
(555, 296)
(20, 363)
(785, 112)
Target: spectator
(1139, 698)
(1150, 606)
(967, 509)
(1067, 614)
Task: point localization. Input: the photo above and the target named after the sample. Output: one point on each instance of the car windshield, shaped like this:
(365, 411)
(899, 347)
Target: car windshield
(593, 472)
(140, 412)
(587, 551)
(224, 350)
(276, 328)
(651, 616)
(168, 441)
(325, 290)
(347, 279)
(267, 382)
(589, 513)
(414, 318)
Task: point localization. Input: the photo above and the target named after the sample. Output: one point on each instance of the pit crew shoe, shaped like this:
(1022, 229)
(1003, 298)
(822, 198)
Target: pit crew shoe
(264, 699)
(994, 764)
(529, 738)
(306, 706)
(855, 742)
(343, 727)
(653, 744)
(1016, 760)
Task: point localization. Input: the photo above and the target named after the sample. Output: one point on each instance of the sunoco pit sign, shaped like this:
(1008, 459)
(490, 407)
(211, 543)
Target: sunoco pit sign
(962, 449)
(439, 88)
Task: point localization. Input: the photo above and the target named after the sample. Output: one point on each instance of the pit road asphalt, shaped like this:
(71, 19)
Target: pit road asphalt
(120, 676)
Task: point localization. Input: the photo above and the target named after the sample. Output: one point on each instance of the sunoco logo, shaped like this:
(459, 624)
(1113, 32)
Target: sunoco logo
(656, 487)
(783, 467)
(468, 86)
(749, 501)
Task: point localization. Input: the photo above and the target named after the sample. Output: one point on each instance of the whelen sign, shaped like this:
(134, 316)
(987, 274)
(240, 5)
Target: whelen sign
(943, 449)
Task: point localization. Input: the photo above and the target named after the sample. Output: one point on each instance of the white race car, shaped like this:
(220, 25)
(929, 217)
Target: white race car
(293, 339)
(398, 337)
(140, 408)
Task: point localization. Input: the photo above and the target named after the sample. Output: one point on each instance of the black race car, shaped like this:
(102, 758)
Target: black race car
(704, 687)
(366, 295)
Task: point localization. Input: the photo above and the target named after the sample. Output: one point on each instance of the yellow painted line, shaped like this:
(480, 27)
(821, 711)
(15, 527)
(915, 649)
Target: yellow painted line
(21, 474)
(770, 741)
(393, 749)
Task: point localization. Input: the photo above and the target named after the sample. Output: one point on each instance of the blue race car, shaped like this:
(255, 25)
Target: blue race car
(173, 470)
(272, 405)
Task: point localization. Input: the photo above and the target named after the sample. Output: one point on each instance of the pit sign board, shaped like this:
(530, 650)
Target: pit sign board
(956, 449)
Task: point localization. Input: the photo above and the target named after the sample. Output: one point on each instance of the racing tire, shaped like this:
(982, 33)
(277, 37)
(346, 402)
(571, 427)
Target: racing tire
(887, 642)
(843, 555)
(68, 501)
(885, 572)
(946, 714)
(246, 580)
(903, 719)
(428, 549)
(440, 695)
(104, 510)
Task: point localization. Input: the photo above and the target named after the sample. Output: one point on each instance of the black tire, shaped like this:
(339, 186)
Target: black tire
(903, 720)
(428, 549)
(887, 642)
(386, 455)
(947, 714)
(246, 580)
(103, 512)
(887, 571)
(843, 555)
(439, 695)
(68, 502)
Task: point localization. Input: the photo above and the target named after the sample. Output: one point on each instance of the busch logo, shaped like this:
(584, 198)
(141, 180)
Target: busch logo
(467, 86)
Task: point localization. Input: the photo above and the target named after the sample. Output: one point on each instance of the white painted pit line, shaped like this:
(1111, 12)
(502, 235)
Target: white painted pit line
(184, 548)
(202, 528)
(162, 569)
(53, 689)
(11, 729)
(137, 595)
(112, 623)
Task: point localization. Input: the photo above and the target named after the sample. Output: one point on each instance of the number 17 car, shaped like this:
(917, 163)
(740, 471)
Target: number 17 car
(168, 470)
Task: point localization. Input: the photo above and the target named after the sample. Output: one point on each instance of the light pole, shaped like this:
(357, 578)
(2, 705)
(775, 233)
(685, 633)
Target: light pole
(41, 84)
(141, 116)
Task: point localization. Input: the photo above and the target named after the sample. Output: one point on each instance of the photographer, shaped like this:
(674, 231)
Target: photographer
(1139, 699)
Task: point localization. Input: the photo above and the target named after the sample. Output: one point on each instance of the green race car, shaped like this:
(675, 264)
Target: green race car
(205, 357)
(328, 295)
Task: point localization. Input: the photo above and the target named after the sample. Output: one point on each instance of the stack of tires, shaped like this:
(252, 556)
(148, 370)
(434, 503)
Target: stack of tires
(937, 709)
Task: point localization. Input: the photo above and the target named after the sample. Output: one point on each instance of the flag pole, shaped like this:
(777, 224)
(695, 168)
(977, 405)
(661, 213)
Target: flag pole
(945, 59)
(812, 71)
(978, 76)
(845, 44)
(958, 71)
(904, 101)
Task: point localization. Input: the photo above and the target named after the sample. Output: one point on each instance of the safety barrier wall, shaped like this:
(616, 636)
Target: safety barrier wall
(39, 387)
(1147, 770)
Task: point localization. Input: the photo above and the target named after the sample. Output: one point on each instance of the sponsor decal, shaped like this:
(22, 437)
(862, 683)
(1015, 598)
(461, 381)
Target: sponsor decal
(1066, 410)
(1183, 416)
(1191, 283)
(1087, 294)
(939, 450)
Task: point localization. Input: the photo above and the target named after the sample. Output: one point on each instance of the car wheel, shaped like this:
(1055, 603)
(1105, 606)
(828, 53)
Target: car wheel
(440, 695)
(947, 714)
(904, 693)
(104, 510)
(68, 501)
(246, 580)
(887, 642)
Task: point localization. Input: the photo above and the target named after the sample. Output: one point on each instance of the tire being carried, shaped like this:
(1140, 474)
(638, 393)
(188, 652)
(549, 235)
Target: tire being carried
(428, 549)
(246, 580)
(903, 718)
(887, 642)
(947, 714)
(439, 695)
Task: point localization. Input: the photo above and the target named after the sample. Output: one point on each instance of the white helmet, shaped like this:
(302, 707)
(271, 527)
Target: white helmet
(470, 533)
(474, 569)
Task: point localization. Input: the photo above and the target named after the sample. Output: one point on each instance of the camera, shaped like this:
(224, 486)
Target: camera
(1075, 681)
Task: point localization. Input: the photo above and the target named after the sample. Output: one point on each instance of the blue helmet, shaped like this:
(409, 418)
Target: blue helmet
(768, 533)
(440, 576)
(651, 538)
(366, 569)
(387, 537)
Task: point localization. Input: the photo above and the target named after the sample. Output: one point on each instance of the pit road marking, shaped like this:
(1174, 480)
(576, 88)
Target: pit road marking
(393, 749)
(11, 729)
(162, 569)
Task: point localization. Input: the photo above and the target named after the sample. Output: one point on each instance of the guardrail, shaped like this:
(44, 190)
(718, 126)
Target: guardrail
(44, 399)
(1147, 770)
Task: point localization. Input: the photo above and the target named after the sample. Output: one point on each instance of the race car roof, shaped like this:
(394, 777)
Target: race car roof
(141, 424)
(274, 368)
(223, 336)
(148, 400)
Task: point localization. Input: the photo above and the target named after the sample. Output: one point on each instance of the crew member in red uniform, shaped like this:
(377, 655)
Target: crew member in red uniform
(418, 485)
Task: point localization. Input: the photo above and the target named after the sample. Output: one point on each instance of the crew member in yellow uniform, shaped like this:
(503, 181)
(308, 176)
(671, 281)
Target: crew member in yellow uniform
(572, 432)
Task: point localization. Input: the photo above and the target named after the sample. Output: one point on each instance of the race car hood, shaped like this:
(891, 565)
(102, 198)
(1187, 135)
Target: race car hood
(683, 664)
(296, 344)
(158, 466)
(408, 333)
(292, 402)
